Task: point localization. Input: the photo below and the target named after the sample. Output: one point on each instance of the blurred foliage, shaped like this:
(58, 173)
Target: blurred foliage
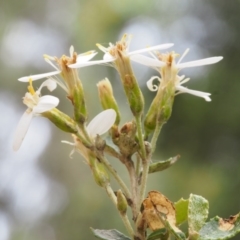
(206, 135)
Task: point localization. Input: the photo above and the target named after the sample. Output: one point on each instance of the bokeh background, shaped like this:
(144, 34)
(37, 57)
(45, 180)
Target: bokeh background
(46, 195)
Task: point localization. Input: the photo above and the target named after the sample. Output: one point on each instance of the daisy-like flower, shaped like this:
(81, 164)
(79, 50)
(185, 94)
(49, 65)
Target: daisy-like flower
(36, 105)
(98, 126)
(113, 52)
(169, 69)
(61, 67)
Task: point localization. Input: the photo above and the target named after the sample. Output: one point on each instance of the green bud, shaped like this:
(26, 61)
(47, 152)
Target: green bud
(61, 120)
(121, 202)
(80, 111)
(107, 98)
(160, 109)
(99, 172)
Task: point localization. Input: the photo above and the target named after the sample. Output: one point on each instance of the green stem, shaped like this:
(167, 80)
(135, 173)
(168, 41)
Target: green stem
(155, 136)
(124, 217)
(140, 136)
(116, 176)
(134, 186)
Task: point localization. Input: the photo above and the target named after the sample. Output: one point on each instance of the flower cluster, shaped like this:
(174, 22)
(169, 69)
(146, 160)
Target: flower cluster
(117, 55)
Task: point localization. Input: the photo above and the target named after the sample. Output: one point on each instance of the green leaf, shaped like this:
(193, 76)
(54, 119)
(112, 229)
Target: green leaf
(181, 207)
(111, 234)
(219, 229)
(197, 214)
(162, 165)
(158, 234)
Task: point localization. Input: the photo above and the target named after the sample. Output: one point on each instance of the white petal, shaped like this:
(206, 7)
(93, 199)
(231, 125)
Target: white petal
(38, 76)
(71, 50)
(86, 64)
(48, 60)
(195, 93)
(183, 55)
(149, 49)
(50, 84)
(46, 103)
(108, 56)
(102, 48)
(147, 61)
(22, 128)
(85, 57)
(152, 87)
(101, 123)
(205, 61)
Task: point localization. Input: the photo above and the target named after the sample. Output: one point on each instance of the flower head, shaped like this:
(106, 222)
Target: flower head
(118, 50)
(36, 104)
(167, 67)
(61, 67)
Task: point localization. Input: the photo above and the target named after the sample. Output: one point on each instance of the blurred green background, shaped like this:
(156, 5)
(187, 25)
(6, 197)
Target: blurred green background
(46, 195)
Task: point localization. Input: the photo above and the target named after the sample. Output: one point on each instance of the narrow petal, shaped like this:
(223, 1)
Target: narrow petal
(147, 61)
(183, 55)
(195, 93)
(85, 57)
(101, 123)
(71, 50)
(102, 48)
(86, 64)
(46, 103)
(22, 128)
(202, 62)
(50, 84)
(152, 87)
(49, 61)
(149, 49)
(38, 76)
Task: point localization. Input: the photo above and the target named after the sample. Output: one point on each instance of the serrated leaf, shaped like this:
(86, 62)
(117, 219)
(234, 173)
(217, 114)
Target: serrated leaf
(220, 229)
(181, 207)
(162, 165)
(111, 234)
(197, 214)
(158, 234)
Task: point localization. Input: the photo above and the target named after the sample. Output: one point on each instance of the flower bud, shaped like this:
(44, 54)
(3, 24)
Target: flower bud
(106, 97)
(121, 202)
(160, 109)
(99, 172)
(78, 100)
(61, 120)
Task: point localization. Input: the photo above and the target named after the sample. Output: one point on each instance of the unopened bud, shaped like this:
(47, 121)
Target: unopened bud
(160, 109)
(121, 202)
(107, 98)
(61, 120)
(99, 172)
(80, 111)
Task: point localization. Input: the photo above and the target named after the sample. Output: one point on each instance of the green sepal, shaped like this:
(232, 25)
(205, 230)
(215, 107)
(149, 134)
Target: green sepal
(220, 229)
(181, 207)
(162, 165)
(109, 234)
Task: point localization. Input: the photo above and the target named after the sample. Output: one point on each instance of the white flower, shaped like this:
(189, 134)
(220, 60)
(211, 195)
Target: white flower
(36, 105)
(98, 126)
(160, 61)
(111, 52)
(57, 63)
